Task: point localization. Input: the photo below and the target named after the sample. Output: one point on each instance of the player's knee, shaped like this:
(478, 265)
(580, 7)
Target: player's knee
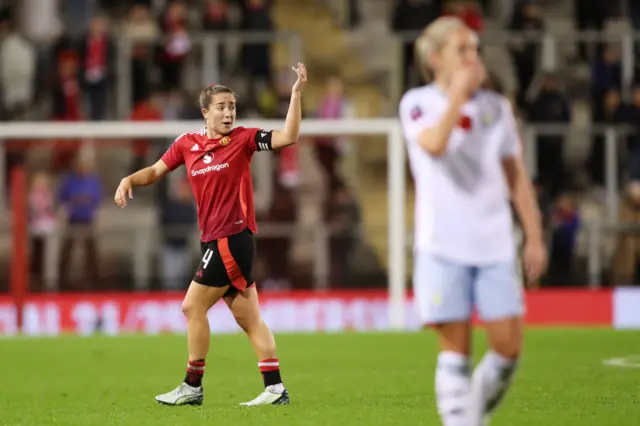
(506, 342)
(248, 323)
(509, 349)
(191, 310)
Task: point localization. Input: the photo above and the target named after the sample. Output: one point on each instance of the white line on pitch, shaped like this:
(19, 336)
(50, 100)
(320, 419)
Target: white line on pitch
(632, 361)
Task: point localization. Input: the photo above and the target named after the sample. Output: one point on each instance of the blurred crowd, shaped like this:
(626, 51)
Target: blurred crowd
(65, 69)
(543, 98)
(69, 74)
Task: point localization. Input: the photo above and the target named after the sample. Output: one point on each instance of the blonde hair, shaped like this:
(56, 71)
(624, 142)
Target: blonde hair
(432, 40)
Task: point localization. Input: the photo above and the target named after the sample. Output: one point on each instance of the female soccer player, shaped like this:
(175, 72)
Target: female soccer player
(466, 160)
(217, 160)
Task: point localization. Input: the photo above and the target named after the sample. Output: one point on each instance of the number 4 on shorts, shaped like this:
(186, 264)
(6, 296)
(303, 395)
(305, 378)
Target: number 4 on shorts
(207, 258)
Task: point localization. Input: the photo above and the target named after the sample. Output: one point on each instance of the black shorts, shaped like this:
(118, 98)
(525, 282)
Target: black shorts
(228, 261)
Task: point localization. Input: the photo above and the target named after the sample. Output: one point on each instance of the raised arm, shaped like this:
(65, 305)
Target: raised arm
(435, 137)
(291, 132)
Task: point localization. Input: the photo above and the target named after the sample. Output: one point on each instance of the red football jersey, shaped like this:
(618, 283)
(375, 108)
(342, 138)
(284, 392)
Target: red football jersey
(220, 177)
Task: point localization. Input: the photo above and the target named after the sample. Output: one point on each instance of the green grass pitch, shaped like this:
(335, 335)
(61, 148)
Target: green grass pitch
(333, 379)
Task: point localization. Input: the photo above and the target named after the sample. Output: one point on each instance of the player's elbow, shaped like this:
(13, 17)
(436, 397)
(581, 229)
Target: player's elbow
(433, 148)
(286, 139)
(291, 140)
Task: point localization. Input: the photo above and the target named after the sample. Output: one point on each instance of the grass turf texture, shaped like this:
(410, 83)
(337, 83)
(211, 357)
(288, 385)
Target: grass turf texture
(333, 379)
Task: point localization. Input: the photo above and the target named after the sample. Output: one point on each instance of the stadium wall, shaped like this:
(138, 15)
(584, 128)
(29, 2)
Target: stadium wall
(298, 311)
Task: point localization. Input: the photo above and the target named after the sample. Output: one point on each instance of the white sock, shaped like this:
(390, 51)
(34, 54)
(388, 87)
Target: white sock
(278, 388)
(490, 382)
(453, 388)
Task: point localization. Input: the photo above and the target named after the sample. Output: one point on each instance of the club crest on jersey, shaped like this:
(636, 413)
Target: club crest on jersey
(208, 158)
(416, 113)
(225, 141)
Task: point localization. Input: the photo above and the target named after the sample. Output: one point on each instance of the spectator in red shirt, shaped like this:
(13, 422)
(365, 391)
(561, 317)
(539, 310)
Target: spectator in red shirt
(176, 46)
(66, 107)
(148, 109)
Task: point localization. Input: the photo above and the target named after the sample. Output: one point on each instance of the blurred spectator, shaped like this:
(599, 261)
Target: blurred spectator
(633, 119)
(66, 94)
(148, 109)
(343, 217)
(177, 220)
(216, 15)
(97, 54)
(177, 44)
(550, 107)
(626, 268)
(142, 31)
(78, 14)
(17, 69)
(468, 11)
(66, 107)
(590, 15)
(256, 57)
(39, 20)
(275, 250)
(43, 224)
(611, 113)
(524, 53)
(606, 74)
(63, 46)
(216, 19)
(334, 105)
(413, 15)
(80, 196)
(565, 223)
(355, 17)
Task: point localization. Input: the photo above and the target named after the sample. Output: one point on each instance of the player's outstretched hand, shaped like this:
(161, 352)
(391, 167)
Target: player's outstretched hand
(301, 72)
(535, 260)
(123, 190)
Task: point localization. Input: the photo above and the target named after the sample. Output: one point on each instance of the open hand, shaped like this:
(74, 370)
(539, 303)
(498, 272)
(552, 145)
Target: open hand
(535, 260)
(301, 72)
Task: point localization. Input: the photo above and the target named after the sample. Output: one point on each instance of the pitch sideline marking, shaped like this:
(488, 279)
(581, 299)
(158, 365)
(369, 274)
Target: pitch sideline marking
(631, 361)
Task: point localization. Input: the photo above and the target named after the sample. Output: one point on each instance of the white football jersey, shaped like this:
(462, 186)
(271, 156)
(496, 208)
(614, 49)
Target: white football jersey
(462, 210)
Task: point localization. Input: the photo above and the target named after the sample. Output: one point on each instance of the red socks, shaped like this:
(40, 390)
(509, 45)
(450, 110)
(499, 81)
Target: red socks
(195, 371)
(270, 369)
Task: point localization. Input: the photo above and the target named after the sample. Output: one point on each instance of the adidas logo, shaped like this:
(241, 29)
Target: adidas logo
(195, 148)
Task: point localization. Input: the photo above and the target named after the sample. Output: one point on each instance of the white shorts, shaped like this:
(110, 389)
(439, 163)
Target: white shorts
(446, 291)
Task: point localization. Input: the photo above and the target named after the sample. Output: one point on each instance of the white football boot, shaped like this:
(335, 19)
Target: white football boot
(182, 395)
(271, 396)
